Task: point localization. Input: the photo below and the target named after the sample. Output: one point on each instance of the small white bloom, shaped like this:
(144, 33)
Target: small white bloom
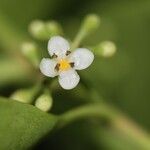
(64, 63)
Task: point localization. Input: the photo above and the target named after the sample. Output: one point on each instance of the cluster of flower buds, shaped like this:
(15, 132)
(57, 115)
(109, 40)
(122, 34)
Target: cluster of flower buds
(44, 30)
(66, 58)
(30, 96)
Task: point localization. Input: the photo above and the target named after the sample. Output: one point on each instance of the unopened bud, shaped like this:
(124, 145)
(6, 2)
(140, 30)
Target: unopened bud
(44, 30)
(106, 49)
(53, 28)
(37, 29)
(44, 102)
(25, 95)
(91, 22)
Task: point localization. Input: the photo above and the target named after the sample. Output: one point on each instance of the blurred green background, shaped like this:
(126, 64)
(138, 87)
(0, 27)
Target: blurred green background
(122, 80)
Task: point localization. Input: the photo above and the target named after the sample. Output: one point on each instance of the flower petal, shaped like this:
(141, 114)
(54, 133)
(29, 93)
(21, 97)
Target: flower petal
(47, 67)
(58, 46)
(69, 79)
(82, 58)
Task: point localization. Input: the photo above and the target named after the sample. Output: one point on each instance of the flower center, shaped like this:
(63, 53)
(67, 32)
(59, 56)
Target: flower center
(64, 65)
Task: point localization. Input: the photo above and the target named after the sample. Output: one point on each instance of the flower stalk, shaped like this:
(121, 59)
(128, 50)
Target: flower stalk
(90, 24)
(117, 121)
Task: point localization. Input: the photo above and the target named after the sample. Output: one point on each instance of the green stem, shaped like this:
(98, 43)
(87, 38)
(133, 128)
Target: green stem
(117, 121)
(90, 23)
(91, 110)
(79, 37)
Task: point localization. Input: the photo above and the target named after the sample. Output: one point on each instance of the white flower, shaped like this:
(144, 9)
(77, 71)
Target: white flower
(65, 63)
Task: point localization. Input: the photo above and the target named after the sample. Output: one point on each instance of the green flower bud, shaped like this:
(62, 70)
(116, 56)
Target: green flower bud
(29, 50)
(44, 30)
(91, 22)
(38, 30)
(106, 49)
(53, 28)
(44, 102)
(25, 95)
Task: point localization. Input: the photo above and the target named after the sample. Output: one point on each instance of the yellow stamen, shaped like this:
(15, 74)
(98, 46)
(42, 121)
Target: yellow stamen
(64, 65)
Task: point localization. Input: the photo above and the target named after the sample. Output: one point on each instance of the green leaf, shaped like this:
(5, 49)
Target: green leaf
(22, 125)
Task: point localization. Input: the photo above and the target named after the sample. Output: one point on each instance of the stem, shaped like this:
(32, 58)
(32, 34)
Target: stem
(90, 110)
(89, 24)
(117, 121)
(79, 37)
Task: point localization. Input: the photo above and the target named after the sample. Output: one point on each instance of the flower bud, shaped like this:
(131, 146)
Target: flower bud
(53, 28)
(44, 102)
(29, 50)
(106, 49)
(38, 30)
(44, 30)
(25, 95)
(91, 22)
